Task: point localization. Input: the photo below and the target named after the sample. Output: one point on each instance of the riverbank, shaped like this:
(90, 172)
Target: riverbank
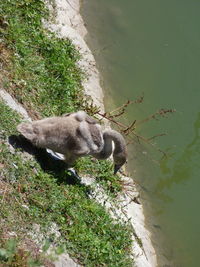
(53, 208)
(39, 71)
(68, 23)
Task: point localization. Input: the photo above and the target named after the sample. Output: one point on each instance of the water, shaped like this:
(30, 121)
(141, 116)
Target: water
(152, 47)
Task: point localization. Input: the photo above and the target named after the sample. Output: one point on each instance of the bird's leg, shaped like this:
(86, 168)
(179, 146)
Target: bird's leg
(74, 173)
(70, 159)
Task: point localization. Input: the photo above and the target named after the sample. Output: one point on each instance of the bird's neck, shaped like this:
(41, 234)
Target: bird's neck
(119, 142)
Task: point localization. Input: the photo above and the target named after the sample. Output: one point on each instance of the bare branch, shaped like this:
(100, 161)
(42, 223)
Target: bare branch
(155, 116)
(157, 135)
(129, 130)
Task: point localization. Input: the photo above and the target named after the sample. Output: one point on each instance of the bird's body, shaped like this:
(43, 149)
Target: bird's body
(75, 135)
(89, 129)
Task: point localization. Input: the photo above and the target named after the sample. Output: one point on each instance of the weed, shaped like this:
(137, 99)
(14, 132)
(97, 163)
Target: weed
(13, 255)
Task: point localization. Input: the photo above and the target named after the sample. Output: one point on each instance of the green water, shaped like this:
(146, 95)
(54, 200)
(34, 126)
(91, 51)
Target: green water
(153, 47)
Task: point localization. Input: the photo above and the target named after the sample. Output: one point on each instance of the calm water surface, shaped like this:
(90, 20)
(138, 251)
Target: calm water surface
(153, 47)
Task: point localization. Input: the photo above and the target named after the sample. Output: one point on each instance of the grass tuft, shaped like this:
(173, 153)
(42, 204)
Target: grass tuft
(44, 75)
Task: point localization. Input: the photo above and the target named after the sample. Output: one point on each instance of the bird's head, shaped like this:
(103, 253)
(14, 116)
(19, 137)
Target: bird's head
(119, 160)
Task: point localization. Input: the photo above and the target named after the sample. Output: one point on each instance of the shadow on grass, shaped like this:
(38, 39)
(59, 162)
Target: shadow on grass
(57, 168)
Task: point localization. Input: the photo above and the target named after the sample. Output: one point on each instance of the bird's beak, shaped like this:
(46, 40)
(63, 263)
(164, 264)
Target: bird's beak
(116, 168)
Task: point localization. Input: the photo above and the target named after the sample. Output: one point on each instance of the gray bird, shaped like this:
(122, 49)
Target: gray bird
(76, 135)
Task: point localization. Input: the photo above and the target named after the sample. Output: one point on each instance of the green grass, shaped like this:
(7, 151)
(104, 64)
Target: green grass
(103, 172)
(44, 75)
(40, 71)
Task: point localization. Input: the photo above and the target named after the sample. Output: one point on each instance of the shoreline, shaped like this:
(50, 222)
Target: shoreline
(67, 22)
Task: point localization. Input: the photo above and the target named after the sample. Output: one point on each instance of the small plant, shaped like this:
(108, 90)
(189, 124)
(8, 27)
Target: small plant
(12, 255)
